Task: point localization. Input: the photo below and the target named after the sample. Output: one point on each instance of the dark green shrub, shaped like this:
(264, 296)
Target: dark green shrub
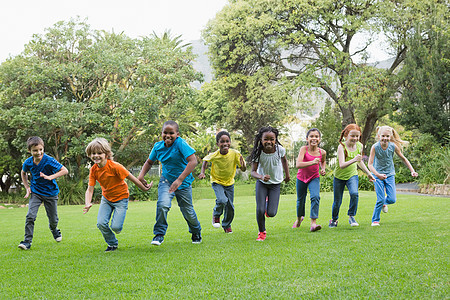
(136, 194)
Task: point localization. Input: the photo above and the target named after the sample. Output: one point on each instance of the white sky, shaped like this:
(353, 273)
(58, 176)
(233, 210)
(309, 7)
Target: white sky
(20, 19)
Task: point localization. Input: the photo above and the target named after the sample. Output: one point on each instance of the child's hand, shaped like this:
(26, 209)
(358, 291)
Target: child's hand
(144, 182)
(287, 179)
(372, 178)
(87, 208)
(323, 172)
(45, 176)
(175, 185)
(148, 186)
(414, 174)
(316, 161)
(381, 176)
(28, 193)
(201, 176)
(358, 158)
(266, 178)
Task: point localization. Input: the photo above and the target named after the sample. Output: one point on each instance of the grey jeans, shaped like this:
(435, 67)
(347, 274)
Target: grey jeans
(50, 204)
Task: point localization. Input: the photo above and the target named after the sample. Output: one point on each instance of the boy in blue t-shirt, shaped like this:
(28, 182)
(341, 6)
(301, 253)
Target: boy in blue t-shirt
(178, 161)
(44, 170)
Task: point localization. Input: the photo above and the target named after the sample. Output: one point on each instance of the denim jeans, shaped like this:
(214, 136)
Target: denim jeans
(385, 191)
(302, 190)
(164, 203)
(50, 204)
(118, 210)
(224, 203)
(272, 193)
(338, 188)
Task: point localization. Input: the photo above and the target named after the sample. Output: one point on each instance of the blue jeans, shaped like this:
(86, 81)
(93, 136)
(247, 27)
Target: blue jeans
(50, 204)
(184, 199)
(385, 191)
(224, 203)
(118, 211)
(338, 188)
(271, 192)
(302, 190)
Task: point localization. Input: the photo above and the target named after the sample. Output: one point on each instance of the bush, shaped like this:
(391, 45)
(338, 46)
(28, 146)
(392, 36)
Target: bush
(71, 191)
(136, 194)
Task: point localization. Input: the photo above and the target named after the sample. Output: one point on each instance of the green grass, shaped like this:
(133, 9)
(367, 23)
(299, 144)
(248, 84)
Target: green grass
(406, 257)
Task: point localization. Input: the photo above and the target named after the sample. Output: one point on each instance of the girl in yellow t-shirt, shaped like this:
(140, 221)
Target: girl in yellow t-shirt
(223, 168)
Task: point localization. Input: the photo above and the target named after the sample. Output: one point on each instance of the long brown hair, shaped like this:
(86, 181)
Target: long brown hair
(345, 133)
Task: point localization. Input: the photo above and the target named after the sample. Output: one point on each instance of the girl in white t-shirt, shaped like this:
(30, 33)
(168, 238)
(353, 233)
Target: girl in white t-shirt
(268, 162)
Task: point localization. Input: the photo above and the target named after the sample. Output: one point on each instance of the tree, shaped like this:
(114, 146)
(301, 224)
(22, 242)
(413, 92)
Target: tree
(425, 99)
(73, 83)
(311, 44)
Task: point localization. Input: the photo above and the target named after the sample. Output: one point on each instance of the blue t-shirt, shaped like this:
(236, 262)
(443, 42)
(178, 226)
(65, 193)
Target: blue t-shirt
(41, 186)
(173, 160)
(383, 161)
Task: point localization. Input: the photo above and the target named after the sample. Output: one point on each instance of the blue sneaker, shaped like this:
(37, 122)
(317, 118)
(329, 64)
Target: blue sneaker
(333, 223)
(24, 245)
(352, 221)
(57, 235)
(111, 248)
(158, 240)
(197, 238)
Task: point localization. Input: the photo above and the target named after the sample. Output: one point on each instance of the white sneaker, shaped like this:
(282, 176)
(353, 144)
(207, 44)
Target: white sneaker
(385, 208)
(375, 223)
(352, 221)
(216, 222)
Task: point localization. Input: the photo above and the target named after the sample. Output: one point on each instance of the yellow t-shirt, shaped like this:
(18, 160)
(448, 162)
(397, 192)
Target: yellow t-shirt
(223, 167)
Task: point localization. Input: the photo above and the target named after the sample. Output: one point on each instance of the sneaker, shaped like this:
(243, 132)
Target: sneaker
(261, 236)
(228, 230)
(297, 223)
(158, 240)
(111, 248)
(216, 222)
(57, 235)
(352, 221)
(196, 238)
(375, 223)
(333, 223)
(385, 208)
(24, 246)
(315, 228)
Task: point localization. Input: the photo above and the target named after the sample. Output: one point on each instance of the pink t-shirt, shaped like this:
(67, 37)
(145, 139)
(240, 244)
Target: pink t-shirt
(309, 173)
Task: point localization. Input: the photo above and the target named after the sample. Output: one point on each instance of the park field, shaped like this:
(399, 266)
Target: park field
(407, 257)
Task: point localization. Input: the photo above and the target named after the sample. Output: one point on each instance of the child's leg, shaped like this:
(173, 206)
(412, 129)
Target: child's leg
(228, 215)
(302, 190)
(381, 198)
(314, 189)
(221, 199)
(163, 206)
(33, 206)
(118, 218)
(184, 199)
(261, 194)
(104, 215)
(51, 204)
(390, 190)
(273, 199)
(338, 191)
(352, 185)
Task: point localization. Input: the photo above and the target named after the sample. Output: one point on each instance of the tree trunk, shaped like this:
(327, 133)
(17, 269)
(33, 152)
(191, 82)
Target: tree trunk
(369, 125)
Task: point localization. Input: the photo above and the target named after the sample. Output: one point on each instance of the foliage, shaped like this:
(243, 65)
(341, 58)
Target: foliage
(136, 194)
(73, 83)
(425, 101)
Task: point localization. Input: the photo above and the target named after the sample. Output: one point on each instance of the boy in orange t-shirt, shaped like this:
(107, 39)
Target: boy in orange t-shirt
(111, 176)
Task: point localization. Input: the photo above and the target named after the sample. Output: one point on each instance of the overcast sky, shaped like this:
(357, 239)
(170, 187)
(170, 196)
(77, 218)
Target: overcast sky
(19, 20)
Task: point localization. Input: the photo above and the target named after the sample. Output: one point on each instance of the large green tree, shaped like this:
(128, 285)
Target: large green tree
(74, 83)
(314, 44)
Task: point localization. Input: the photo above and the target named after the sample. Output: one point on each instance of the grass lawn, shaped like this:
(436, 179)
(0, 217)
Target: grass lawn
(406, 257)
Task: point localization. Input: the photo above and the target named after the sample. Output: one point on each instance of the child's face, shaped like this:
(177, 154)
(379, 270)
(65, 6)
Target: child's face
(224, 144)
(37, 152)
(99, 158)
(268, 141)
(353, 137)
(385, 137)
(313, 138)
(169, 135)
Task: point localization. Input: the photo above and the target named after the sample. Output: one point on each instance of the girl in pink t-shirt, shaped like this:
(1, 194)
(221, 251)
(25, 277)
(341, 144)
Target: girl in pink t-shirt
(309, 159)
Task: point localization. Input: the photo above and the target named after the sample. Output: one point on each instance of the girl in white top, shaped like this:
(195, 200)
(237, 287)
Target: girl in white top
(268, 163)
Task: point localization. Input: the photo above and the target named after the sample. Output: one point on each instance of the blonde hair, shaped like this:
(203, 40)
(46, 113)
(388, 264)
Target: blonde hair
(345, 133)
(100, 145)
(395, 137)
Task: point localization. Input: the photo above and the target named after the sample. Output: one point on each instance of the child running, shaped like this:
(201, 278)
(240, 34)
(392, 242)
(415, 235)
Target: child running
(223, 169)
(268, 162)
(310, 157)
(111, 176)
(346, 173)
(44, 170)
(382, 166)
(178, 161)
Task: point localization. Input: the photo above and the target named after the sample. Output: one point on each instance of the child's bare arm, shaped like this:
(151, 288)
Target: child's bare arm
(202, 172)
(139, 183)
(255, 174)
(323, 164)
(63, 171)
(406, 162)
(285, 165)
(243, 165)
(145, 168)
(88, 199)
(192, 162)
(371, 167)
(24, 176)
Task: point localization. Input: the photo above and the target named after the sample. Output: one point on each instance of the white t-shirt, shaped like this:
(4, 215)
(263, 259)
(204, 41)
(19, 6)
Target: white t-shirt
(270, 164)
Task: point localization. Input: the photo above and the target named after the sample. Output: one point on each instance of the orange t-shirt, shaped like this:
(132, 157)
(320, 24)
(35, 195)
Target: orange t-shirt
(111, 178)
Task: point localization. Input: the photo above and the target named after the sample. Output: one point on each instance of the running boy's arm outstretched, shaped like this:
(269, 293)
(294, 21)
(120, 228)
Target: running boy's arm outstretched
(145, 168)
(88, 199)
(202, 172)
(63, 171)
(243, 165)
(138, 183)
(24, 176)
(192, 162)
(406, 161)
